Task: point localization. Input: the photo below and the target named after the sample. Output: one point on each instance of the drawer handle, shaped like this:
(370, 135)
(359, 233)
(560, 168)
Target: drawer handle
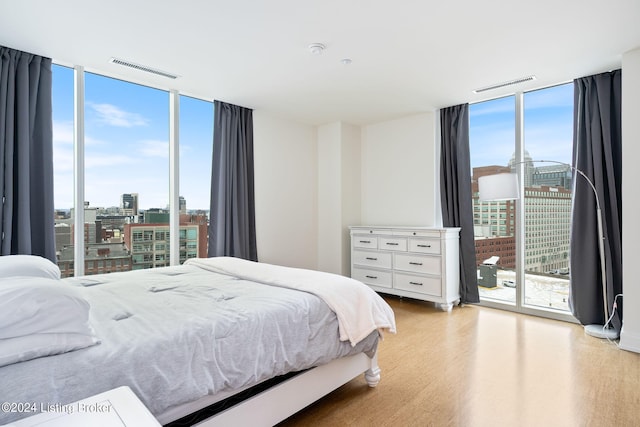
(392, 244)
(424, 246)
(415, 283)
(415, 263)
(371, 259)
(371, 277)
(365, 241)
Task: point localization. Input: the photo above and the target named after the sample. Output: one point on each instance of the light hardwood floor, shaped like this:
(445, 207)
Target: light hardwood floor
(478, 366)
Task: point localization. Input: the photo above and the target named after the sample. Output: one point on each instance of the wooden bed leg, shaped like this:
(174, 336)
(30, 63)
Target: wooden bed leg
(372, 375)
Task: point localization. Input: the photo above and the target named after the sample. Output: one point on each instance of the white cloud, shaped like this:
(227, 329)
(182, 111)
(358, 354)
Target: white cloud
(111, 115)
(154, 148)
(113, 161)
(62, 159)
(62, 132)
(63, 136)
(505, 105)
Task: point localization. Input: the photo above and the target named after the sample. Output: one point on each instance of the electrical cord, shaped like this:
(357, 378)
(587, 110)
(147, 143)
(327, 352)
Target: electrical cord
(613, 312)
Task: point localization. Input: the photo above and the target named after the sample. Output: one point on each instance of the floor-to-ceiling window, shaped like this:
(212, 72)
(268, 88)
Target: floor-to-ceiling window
(548, 135)
(62, 94)
(126, 172)
(524, 259)
(124, 185)
(491, 144)
(196, 136)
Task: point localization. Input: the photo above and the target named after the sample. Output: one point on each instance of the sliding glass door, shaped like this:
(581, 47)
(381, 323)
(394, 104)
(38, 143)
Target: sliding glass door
(522, 245)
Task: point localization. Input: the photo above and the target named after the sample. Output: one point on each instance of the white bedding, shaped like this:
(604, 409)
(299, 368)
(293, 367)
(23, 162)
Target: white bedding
(176, 334)
(359, 309)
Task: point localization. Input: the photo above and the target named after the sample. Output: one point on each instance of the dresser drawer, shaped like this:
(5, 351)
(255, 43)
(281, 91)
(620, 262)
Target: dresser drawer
(372, 259)
(424, 246)
(393, 244)
(431, 234)
(372, 277)
(420, 284)
(368, 242)
(417, 263)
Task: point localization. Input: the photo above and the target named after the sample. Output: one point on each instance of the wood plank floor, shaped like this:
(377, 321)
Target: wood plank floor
(478, 366)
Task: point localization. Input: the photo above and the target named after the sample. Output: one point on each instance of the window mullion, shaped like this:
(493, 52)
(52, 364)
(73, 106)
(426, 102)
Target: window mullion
(174, 177)
(520, 202)
(78, 171)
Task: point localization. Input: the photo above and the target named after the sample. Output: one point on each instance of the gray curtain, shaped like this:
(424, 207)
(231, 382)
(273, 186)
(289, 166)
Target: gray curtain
(455, 193)
(597, 151)
(26, 155)
(232, 229)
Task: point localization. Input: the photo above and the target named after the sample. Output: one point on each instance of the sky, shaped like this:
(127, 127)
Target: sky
(127, 143)
(548, 127)
(127, 139)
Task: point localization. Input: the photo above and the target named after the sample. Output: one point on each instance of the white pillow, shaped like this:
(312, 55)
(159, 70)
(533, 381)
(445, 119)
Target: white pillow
(40, 317)
(28, 265)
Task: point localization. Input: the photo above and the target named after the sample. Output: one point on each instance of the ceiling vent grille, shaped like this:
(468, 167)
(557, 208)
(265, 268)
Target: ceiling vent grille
(143, 68)
(509, 83)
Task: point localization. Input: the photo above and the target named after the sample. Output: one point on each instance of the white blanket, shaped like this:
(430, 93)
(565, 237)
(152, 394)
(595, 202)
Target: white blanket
(359, 309)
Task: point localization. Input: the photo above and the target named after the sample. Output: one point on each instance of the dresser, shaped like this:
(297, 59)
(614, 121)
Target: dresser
(415, 262)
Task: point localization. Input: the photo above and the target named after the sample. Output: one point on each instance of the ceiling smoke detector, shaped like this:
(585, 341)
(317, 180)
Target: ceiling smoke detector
(316, 48)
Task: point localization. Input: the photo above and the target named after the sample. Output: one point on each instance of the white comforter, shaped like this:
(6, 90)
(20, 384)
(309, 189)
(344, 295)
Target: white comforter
(359, 309)
(177, 334)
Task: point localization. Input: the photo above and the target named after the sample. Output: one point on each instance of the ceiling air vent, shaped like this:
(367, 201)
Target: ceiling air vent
(143, 68)
(509, 83)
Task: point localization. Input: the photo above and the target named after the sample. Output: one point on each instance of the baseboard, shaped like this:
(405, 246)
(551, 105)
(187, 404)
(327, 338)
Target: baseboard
(629, 341)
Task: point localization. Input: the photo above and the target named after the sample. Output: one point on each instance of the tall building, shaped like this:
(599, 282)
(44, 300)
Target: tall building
(98, 258)
(547, 227)
(149, 243)
(129, 204)
(553, 176)
(182, 205)
(156, 216)
(104, 251)
(63, 234)
(547, 220)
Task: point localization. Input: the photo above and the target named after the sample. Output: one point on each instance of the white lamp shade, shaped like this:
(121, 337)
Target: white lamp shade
(502, 186)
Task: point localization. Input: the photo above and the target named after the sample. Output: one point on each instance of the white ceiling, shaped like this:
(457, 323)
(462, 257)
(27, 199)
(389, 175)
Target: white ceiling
(408, 56)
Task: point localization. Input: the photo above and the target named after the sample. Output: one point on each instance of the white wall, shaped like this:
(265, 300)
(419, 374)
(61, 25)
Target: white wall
(630, 334)
(338, 194)
(398, 172)
(285, 162)
(351, 189)
(329, 197)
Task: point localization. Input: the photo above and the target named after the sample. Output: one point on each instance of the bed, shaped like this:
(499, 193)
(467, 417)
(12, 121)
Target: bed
(185, 337)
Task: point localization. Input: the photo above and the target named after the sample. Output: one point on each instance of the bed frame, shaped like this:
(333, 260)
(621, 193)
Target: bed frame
(279, 402)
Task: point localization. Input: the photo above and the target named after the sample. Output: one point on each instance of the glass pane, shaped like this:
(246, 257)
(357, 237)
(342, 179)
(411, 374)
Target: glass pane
(492, 145)
(126, 172)
(196, 147)
(548, 135)
(62, 103)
